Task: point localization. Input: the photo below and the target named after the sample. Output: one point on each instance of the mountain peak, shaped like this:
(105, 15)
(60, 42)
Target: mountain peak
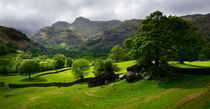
(61, 24)
(81, 19)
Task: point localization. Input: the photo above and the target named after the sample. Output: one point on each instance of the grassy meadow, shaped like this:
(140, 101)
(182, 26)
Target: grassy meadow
(188, 92)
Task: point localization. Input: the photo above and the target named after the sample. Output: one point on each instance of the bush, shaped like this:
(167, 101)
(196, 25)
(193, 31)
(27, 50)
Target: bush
(28, 67)
(80, 68)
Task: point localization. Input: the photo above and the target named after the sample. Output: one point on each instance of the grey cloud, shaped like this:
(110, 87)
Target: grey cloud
(31, 15)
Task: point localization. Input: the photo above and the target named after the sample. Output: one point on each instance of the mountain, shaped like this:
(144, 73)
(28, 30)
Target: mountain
(87, 28)
(64, 35)
(57, 36)
(113, 36)
(203, 22)
(15, 40)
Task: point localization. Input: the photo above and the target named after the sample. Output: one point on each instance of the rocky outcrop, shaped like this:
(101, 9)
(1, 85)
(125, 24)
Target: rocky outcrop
(132, 76)
(103, 78)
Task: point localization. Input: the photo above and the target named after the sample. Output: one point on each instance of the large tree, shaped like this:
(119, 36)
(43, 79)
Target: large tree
(159, 37)
(28, 67)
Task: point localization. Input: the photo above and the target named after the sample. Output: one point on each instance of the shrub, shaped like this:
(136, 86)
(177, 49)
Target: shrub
(80, 68)
(28, 67)
(98, 67)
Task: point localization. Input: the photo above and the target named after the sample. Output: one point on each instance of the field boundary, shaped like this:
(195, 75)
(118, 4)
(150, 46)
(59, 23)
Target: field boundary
(58, 71)
(194, 71)
(59, 84)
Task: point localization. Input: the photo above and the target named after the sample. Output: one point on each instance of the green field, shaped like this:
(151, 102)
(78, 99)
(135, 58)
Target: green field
(188, 92)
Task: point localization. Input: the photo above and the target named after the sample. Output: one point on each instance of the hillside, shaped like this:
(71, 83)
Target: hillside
(186, 92)
(203, 22)
(113, 36)
(15, 40)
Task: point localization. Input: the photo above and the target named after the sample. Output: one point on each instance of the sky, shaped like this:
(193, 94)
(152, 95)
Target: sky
(31, 15)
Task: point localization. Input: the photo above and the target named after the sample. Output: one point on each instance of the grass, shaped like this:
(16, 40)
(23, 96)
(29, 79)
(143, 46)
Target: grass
(189, 91)
(194, 64)
(124, 65)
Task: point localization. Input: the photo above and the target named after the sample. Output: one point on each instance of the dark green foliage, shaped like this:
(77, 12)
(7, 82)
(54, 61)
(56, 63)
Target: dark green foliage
(188, 45)
(117, 54)
(28, 67)
(160, 37)
(68, 62)
(59, 61)
(3, 49)
(80, 68)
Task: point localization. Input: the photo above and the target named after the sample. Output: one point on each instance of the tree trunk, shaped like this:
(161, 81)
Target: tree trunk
(181, 62)
(29, 75)
(81, 78)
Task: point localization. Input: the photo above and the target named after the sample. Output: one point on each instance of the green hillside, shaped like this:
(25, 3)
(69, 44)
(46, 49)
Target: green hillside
(189, 91)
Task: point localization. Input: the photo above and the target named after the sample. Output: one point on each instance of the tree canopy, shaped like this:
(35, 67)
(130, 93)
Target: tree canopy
(117, 53)
(28, 66)
(160, 37)
(80, 68)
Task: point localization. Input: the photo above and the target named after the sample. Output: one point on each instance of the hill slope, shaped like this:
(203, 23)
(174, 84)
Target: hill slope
(203, 22)
(186, 92)
(114, 35)
(14, 40)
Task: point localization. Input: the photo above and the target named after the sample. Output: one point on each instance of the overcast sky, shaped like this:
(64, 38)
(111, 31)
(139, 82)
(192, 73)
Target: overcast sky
(31, 15)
